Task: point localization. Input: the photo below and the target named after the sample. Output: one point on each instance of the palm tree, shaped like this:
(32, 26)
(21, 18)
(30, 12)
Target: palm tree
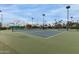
(32, 20)
(67, 7)
(60, 21)
(55, 23)
(72, 18)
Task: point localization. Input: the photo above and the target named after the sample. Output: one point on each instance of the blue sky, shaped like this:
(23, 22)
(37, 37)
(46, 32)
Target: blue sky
(22, 13)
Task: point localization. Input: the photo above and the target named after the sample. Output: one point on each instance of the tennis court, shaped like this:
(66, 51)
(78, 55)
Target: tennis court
(41, 33)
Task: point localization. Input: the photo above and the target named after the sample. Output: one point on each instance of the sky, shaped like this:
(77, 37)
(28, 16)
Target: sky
(23, 13)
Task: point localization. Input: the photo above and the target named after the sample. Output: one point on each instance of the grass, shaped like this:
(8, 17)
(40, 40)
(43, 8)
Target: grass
(18, 42)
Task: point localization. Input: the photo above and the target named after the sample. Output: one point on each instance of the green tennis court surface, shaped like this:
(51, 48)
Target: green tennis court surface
(20, 42)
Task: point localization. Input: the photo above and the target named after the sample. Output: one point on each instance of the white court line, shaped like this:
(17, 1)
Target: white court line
(55, 35)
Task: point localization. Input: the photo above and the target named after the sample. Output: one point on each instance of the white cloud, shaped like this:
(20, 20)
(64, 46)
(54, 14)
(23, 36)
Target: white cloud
(14, 12)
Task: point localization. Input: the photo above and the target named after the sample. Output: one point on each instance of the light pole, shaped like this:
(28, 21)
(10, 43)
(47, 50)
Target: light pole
(32, 21)
(67, 7)
(37, 21)
(43, 19)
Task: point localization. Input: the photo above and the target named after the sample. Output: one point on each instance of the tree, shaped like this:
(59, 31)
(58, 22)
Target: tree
(1, 16)
(77, 25)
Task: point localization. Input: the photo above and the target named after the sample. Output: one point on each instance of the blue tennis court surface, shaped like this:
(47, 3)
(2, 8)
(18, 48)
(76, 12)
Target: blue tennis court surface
(45, 34)
(41, 33)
